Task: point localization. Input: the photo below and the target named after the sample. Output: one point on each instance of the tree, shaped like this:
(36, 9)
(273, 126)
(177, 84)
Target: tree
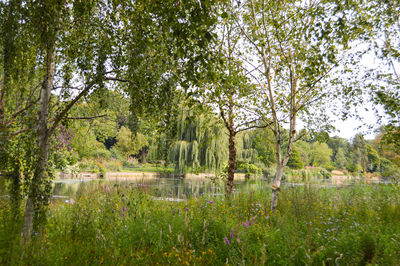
(340, 159)
(374, 160)
(320, 154)
(292, 47)
(387, 25)
(80, 48)
(129, 145)
(200, 141)
(359, 152)
(294, 161)
(227, 88)
(264, 144)
(378, 24)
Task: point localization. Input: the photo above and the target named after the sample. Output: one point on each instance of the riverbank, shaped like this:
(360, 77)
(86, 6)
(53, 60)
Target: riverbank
(313, 225)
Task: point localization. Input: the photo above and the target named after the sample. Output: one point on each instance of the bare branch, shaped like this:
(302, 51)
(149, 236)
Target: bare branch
(63, 113)
(86, 117)
(117, 79)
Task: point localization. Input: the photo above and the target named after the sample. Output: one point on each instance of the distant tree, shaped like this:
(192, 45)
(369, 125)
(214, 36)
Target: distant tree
(340, 159)
(295, 161)
(336, 143)
(320, 154)
(129, 144)
(359, 154)
(199, 142)
(264, 143)
(304, 149)
(374, 160)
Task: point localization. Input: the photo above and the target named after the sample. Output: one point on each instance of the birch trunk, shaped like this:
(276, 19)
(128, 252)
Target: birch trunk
(33, 204)
(276, 186)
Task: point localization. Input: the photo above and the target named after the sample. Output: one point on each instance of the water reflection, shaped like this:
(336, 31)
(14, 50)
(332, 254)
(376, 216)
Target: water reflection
(158, 187)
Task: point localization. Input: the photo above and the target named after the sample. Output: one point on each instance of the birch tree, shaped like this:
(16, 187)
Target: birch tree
(292, 48)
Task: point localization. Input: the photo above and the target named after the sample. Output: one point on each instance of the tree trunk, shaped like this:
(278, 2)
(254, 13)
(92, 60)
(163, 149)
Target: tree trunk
(232, 163)
(276, 186)
(3, 129)
(35, 201)
(143, 154)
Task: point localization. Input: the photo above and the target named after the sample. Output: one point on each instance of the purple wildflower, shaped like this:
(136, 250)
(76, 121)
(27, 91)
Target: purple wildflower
(187, 209)
(227, 241)
(231, 233)
(211, 202)
(245, 224)
(123, 210)
(106, 189)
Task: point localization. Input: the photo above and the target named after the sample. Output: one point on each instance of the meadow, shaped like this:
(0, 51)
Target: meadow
(119, 225)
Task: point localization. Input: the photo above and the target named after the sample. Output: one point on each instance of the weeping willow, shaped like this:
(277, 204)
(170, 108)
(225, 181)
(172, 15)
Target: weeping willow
(245, 147)
(201, 143)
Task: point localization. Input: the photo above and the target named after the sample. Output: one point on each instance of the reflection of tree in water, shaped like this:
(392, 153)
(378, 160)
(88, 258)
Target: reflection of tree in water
(70, 189)
(159, 187)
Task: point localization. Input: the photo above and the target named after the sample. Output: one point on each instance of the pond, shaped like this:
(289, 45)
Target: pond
(165, 187)
(175, 187)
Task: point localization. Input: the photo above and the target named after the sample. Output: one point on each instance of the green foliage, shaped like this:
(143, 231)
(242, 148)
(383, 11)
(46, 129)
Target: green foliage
(199, 142)
(320, 154)
(84, 142)
(128, 144)
(248, 168)
(389, 170)
(374, 160)
(295, 161)
(264, 144)
(120, 225)
(340, 159)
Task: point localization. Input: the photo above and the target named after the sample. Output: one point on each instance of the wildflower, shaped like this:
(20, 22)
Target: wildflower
(231, 233)
(245, 224)
(123, 210)
(211, 202)
(227, 241)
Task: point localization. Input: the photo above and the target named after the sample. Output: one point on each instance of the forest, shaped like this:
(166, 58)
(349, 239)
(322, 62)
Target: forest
(199, 132)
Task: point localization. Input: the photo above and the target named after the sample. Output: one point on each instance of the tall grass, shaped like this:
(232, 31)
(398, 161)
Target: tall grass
(121, 226)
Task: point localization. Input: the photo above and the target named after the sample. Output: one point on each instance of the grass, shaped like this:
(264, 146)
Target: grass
(121, 226)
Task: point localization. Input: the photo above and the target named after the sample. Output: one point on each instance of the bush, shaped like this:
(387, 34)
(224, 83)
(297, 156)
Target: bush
(127, 164)
(113, 165)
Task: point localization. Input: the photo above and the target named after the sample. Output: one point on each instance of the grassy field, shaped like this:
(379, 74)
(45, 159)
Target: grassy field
(120, 226)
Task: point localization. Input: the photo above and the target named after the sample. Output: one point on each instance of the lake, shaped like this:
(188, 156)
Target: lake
(156, 185)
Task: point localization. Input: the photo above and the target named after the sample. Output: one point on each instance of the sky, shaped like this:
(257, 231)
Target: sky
(349, 128)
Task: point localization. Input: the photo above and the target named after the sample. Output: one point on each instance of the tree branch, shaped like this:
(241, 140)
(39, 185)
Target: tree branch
(86, 117)
(117, 79)
(16, 133)
(63, 113)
